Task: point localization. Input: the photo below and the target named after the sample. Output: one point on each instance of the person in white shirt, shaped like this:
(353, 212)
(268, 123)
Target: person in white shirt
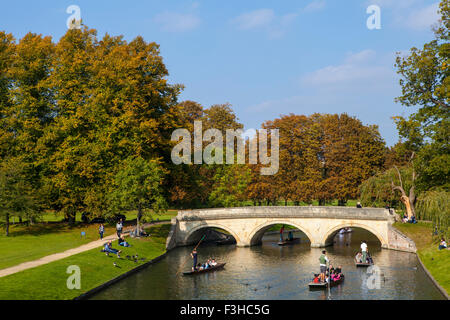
(442, 244)
(364, 251)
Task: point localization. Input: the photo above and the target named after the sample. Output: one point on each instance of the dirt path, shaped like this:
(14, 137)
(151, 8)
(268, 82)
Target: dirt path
(68, 253)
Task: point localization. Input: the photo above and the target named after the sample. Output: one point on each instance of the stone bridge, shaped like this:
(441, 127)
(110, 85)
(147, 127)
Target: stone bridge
(320, 224)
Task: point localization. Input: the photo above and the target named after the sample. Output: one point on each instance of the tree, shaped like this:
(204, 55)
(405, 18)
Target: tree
(137, 186)
(230, 183)
(15, 193)
(322, 156)
(408, 199)
(434, 205)
(391, 186)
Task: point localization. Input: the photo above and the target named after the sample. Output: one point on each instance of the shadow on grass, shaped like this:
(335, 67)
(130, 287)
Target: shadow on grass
(39, 229)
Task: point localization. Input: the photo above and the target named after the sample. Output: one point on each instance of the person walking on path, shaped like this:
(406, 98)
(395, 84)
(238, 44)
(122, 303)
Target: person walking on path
(119, 227)
(101, 231)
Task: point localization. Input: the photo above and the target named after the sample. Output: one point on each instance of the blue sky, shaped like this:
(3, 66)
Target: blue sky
(266, 58)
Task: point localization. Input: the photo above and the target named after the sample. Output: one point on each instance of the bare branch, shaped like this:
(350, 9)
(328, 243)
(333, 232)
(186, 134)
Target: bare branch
(399, 176)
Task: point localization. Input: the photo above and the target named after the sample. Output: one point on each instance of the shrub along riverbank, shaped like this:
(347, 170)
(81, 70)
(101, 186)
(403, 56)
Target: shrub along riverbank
(50, 281)
(436, 261)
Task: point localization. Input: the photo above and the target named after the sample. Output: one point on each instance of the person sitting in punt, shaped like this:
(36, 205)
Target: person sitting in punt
(331, 269)
(316, 279)
(332, 275)
(290, 236)
(369, 258)
(359, 257)
(213, 262)
(336, 276)
(338, 270)
(199, 266)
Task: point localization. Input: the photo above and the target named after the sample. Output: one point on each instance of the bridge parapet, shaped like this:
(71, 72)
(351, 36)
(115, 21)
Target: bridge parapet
(287, 212)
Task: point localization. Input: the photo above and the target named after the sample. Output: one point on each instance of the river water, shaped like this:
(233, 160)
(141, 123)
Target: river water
(271, 272)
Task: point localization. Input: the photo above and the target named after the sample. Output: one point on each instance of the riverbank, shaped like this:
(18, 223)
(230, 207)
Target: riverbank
(436, 262)
(49, 281)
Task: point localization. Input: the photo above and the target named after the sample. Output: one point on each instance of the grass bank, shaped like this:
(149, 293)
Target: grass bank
(49, 281)
(436, 261)
(28, 243)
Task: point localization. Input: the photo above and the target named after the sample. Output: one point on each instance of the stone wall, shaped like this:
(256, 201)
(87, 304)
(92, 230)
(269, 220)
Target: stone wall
(398, 241)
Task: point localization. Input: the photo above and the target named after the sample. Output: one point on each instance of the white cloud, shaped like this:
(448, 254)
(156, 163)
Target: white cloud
(316, 5)
(358, 69)
(177, 22)
(423, 18)
(255, 19)
(265, 20)
(410, 14)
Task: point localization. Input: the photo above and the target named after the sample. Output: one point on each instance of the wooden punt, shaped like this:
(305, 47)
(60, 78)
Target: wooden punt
(225, 242)
(324, 285)
(217, 267)
(360, 264)
(287, 242)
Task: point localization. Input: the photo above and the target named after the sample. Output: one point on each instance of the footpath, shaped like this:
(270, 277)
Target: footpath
(70, 252)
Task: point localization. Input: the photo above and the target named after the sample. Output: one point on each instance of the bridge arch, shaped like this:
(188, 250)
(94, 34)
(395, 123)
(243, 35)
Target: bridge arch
(329, 235)
(257, 233)
(193, 231)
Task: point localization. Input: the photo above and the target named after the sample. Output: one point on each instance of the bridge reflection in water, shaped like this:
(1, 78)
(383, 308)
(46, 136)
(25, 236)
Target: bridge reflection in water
(273, 272)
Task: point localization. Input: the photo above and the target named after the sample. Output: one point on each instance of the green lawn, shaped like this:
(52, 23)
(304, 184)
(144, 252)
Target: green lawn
(436, 261)
(39, 240)
(27, 243)
(49, 281)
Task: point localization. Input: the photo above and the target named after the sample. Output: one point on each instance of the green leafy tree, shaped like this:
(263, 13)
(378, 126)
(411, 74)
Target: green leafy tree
(137, 186)
(16, 196)
(425, 82)
(390, 187)
(435, 205)
(230, 183)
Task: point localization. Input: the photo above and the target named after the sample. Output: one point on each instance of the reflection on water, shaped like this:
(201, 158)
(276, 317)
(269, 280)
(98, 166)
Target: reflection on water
(273, 272)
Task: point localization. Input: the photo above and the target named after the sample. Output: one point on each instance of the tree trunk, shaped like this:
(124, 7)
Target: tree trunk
(138, 222)
(7, 224)
(409, 209)
(410, 200)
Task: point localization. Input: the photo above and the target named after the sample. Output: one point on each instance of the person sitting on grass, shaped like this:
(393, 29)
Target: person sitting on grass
(122, 242)
(109, 249)
(405, 218)
(442, 244)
